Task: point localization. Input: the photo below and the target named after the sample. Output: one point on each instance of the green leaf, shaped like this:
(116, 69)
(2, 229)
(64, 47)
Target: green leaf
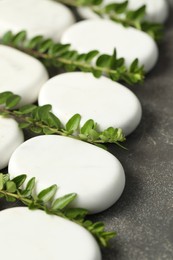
(45, 45)
(134, 65)
(93, 135)
(27, 109)
(36, 129)
(63, 202)
(87, 127)
(34, 42)
(12, 101)
(24, 125)
(10, 198)
(104, 61)
(96, 72)
(11, 186)
(73, 124)
(91, 55)
(19, 180)
(1, 181)
(4, 96)
(75, 213)
(31, 184)
(53, 121)
(19, 38)
(49, 131)
(43, 112)
(47, 194)
(137, 14)
(7, 38)
(119, 8)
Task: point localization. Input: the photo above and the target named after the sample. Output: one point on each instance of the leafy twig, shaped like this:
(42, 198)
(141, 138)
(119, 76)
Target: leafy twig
(40, 120)
(61, 56)
(14, 189)
(120, 13)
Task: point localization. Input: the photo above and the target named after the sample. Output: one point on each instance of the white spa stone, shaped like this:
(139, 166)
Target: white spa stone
(21, 74)
(156, 10)
(105, 36)
(37, 17)
(27, 234)
(75, 166)
(106, 102)
(10, 138)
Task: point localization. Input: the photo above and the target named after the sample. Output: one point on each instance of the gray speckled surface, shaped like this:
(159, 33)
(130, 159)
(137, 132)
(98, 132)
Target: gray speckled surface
(143, 216)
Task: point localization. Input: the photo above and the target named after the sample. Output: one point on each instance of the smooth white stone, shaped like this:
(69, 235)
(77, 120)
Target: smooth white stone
(106, 102)
(21, 74)
(10, 138)
(75, 166)
(156, 10)
(33, 234)
(105, 36)
(37, 17)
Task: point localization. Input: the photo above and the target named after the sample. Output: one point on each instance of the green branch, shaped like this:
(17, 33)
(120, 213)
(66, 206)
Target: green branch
(13, 190)
(61, 56)
(40, 120)
(120, 13)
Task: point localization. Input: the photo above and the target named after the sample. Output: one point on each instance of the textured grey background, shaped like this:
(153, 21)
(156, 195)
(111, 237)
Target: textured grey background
(143, 216)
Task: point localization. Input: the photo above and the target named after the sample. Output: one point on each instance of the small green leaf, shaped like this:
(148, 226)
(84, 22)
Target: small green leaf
(116, 7)
(7, 38)
(64, 201)
(49, 131)
(1, 181)
(73, 124)
(75, 213)
(19, 180)
(87, 127)
(134, 65)
(45, 45)
(43, 112)
(96, 72)
(34, 42)
(137, 14)
(12, 101)
(47, 194)
(10, 198)
(19, 38)
(93, 134)
(36, 129)
(24, 125)
(11, 186)
(4, 96)
(31, 184)
(91, 55)
(53, 121)
(27, 109)
(104, 61)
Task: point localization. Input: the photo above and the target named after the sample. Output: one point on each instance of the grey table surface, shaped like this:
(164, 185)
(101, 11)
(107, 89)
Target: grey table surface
(143, 216)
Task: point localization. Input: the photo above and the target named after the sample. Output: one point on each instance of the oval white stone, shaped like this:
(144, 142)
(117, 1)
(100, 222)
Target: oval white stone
(42, 236)
(37, 17)
(156, 10)
(21, 74)
(105, 36)
(106, 102)
(76, 167)
(10, 138)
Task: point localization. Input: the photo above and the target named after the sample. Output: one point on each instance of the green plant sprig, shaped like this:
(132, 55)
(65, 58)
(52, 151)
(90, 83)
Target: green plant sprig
(17, 189)
(40, 120)
(61, 56)
(120, 13)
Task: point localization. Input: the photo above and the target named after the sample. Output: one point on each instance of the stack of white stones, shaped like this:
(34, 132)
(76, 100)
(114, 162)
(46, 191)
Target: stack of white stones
(93, 173)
